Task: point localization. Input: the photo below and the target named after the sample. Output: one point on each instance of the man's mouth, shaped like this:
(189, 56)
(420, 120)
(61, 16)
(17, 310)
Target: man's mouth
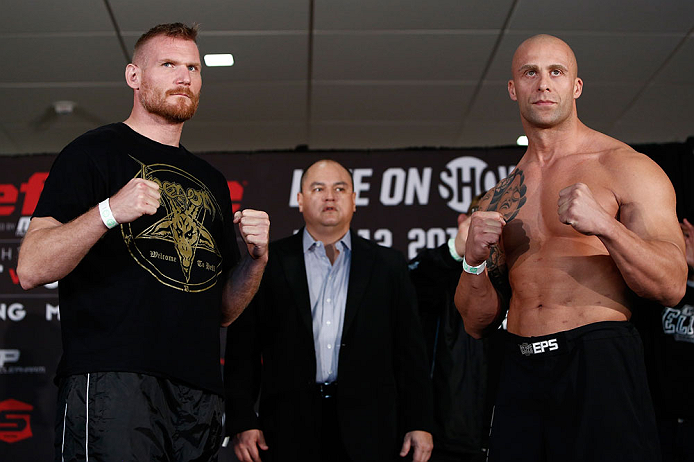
(181, 92)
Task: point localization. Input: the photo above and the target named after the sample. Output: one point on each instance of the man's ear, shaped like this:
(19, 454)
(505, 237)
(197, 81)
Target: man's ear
(132, 76)
(578, 87)
(300, 201)
(512, 90)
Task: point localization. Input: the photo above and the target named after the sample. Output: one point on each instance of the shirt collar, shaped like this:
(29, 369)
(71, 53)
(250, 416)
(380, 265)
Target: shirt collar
(309, 241)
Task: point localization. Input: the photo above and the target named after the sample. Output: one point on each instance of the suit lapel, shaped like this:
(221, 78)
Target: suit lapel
(292, 260)
(359, 276)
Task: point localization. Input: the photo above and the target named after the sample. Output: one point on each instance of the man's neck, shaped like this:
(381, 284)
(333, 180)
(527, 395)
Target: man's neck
(155, 127)
(546, 144)
(328, 236)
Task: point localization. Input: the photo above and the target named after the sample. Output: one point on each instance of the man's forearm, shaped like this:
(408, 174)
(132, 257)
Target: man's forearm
(478, 303)
(51, 250)
(653, 269)
(241, 286)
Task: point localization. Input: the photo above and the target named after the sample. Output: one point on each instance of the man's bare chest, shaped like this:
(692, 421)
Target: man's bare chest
(529, 201)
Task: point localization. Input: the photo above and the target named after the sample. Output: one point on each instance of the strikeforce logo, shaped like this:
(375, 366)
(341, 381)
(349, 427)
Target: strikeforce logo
(539, 347)
(15, 421)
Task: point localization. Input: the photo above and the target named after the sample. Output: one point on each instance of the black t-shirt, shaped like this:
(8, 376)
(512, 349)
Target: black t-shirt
(668, 338)
(147, 296)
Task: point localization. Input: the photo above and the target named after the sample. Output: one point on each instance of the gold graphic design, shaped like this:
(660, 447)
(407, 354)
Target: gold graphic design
(175, 245)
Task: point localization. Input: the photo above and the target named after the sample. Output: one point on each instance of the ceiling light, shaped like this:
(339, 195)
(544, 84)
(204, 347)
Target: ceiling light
(220, 59)
(522, 140)
(64, 107)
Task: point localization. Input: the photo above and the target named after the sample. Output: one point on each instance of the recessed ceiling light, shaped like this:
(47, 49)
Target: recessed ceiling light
(522, 140)
(219, 59)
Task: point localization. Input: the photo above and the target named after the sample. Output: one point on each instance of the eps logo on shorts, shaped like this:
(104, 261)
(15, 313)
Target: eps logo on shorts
(539, 347)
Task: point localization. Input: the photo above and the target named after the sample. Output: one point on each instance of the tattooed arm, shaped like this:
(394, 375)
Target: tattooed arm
(483, 299)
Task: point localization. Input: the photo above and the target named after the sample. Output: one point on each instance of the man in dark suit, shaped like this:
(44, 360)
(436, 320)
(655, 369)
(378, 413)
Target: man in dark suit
(343, 370)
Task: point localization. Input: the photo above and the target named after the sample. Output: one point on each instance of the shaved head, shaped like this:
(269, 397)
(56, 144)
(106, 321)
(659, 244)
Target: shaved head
(526, 50)
(545, 82)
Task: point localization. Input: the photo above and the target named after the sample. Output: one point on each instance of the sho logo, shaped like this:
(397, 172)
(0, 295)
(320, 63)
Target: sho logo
(8, 356)
(15, 420)
(467, 176)
(539, 347)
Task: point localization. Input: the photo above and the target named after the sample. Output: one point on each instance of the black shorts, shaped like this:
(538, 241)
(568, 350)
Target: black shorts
(580, 395)
(123, 416)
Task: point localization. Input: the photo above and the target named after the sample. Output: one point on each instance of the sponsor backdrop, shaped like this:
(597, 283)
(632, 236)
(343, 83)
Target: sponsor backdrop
(406, 199)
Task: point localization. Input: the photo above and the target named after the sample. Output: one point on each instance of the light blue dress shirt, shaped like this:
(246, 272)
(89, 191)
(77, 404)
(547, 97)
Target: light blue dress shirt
(327, 286)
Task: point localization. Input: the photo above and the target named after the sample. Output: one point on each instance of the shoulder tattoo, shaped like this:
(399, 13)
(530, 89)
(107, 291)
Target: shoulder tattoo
(506, 198)
(509, 195)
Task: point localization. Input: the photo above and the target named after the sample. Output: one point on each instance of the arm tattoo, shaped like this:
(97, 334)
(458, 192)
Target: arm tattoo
(506, 198)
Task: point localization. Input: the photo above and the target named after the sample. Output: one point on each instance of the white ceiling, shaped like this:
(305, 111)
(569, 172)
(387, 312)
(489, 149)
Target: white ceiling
(372, 74)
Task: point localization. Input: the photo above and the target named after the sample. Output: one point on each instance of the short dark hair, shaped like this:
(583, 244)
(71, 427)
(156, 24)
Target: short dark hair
(173, 30)
(303, 175)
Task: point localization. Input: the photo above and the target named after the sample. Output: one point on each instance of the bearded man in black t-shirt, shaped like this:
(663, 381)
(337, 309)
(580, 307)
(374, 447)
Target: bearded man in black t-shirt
(140, 233)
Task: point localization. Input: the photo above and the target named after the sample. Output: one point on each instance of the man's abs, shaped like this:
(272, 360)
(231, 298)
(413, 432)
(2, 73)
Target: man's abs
(556, 290)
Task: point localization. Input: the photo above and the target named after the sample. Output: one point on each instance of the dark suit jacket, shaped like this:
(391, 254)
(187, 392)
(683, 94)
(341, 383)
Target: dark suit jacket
(383, 386)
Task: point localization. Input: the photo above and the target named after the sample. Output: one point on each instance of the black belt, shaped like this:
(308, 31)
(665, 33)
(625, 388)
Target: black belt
(327, 390)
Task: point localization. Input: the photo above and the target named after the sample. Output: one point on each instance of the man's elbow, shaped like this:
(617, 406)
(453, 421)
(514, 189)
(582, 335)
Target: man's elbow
(474, 327)
(474, 333)
(673, 295)
(27, 278)
(674, 288)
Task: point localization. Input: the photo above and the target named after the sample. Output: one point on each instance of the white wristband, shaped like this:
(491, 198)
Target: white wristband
(107, 215)
(452, 251)
(479, 269)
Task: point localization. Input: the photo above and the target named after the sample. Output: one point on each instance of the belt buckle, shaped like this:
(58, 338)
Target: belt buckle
(327, 390)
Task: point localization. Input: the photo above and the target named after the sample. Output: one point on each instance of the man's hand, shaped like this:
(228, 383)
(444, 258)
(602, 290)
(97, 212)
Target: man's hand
(254, 226)
(485, 232)
(246, 445)
(422, 442)
(688, 231)
(461, 237)
(577, 207)
(138, 197)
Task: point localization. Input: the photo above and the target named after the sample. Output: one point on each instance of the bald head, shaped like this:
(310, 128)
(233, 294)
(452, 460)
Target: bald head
(545, 83)
(322, 163)
(527, 50)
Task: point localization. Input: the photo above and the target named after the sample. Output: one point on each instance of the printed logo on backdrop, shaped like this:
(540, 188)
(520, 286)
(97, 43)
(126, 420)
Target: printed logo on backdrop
(23, 198)
(463, 178)
(17, 312)
(15, 421)
(8, 360)
(236, 193)
(8, 356)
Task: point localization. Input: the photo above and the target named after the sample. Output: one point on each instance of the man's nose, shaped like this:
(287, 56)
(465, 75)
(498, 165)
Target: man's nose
(183, 76)
(543, 85)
